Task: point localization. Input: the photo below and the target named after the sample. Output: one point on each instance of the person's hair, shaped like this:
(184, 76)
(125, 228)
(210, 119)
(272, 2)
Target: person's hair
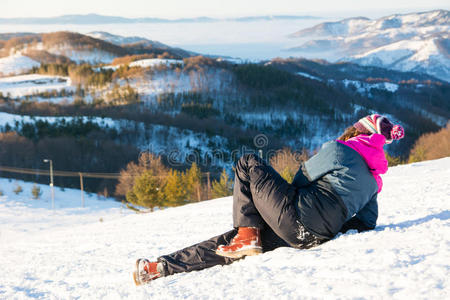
(349, 133)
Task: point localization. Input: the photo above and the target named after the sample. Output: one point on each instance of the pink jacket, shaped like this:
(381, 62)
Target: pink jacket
(370, 147)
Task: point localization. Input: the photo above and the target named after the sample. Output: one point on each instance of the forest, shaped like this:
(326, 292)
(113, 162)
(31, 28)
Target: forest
(232, 102)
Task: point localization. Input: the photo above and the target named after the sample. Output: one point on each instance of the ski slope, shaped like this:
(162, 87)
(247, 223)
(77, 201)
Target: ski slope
(89, 253)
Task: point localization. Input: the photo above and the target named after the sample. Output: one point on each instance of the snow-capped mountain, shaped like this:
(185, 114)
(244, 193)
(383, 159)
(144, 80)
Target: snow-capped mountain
(417, 42)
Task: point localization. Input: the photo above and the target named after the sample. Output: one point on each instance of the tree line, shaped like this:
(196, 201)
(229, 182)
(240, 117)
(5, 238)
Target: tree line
(149, 183)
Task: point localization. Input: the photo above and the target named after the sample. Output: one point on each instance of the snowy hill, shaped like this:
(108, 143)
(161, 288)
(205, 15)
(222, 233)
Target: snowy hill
(89, 252)
(16, 64)
(18, 50)
(415, 42)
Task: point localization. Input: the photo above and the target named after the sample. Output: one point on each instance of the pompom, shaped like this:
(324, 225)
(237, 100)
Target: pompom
(397, 132)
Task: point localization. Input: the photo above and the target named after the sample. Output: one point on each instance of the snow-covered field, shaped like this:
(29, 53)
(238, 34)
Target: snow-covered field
(153, 62)
(22, 85)
(363, 87)
(89, 252)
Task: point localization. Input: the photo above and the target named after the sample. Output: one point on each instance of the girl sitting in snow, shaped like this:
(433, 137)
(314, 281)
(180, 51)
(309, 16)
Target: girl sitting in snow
(334, 191)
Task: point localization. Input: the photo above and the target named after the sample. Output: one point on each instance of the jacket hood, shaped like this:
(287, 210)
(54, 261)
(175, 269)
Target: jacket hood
(370, 147)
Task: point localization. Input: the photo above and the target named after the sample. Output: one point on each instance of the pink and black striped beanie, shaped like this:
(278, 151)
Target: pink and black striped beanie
(379, 124)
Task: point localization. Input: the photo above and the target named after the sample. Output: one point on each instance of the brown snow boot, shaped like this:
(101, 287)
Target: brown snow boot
(146, 271)
(246, 242)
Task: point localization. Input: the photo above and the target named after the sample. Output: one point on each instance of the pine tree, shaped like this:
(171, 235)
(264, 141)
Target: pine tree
(174, 190)
(193, 179)
(223, 187)
(147, 161)
(146, 191)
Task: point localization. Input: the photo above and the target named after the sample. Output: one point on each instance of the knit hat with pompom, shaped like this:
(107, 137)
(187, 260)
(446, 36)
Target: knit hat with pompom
(379, 124)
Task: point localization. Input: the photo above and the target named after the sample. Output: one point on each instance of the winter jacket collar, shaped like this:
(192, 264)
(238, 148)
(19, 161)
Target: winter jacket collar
(370, 147)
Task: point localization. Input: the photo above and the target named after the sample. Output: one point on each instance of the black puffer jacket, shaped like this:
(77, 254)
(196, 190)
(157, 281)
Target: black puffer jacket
(336, 190)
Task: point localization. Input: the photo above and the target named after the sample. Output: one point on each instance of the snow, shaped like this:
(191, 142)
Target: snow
(148, 62)
(152, 62)
(399, 42)
(71, 253)
(170, 81)
(11, 119)
(363, 87)
(415, 50)
(308, 76)
(22, 85)
(239, 61)
(388, 86)
(17, 63)
(83, 55)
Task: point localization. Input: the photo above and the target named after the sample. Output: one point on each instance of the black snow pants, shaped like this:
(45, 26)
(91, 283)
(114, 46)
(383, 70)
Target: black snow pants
(261, 198)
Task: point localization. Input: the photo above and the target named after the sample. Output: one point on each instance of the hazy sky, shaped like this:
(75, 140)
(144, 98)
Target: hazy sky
(214, 8)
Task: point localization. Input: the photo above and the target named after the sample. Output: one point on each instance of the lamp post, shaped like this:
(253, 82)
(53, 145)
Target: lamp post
(51, 181)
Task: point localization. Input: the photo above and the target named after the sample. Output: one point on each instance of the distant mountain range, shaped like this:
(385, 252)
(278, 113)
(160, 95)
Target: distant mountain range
(126, 40)
(416, 42)
(100, 19)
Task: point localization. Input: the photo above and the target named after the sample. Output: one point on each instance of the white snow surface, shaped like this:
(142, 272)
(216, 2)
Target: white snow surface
(148, 62)
(16, 63)
(410, 55)
(11, 119)
(22, 85)
(70, 253)
(152, 62)
(364, 87)
(308, 76)
(83, 55)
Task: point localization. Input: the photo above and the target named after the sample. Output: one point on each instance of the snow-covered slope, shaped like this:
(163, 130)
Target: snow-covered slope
(416, 55)
(88, 55)
(16, 64)
(411, 42)
(22, 85)
(152, 62)
(89, 252)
